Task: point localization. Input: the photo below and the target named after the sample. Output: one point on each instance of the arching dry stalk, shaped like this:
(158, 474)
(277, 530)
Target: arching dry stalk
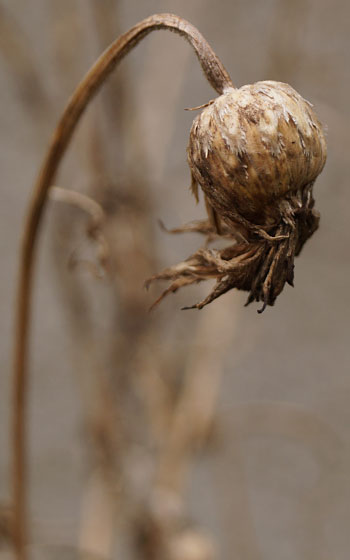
(218, 78)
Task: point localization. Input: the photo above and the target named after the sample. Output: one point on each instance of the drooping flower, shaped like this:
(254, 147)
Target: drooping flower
(255, 152)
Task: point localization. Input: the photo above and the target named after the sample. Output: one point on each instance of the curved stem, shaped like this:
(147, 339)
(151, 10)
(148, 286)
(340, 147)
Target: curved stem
(218, 78)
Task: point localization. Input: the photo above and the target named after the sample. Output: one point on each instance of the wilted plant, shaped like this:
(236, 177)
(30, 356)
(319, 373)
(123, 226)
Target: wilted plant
(255, 152)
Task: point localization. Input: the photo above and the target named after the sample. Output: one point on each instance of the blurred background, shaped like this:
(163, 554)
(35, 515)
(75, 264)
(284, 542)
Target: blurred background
(171, 435)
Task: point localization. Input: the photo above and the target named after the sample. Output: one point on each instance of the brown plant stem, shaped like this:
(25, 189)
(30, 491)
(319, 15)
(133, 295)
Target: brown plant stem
(218, 78)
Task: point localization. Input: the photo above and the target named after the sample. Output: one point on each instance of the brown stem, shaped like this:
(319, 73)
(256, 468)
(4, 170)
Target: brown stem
(218, 78)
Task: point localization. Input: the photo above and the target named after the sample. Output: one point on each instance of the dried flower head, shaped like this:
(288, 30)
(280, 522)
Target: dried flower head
(255, 152)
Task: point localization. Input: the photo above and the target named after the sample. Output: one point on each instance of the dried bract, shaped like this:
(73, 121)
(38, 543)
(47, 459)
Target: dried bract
(255, 152)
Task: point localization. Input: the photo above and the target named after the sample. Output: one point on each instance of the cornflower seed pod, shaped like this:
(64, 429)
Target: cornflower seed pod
(255, 152)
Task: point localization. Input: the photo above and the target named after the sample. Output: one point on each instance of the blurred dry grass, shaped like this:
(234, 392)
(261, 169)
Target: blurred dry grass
(122, 401)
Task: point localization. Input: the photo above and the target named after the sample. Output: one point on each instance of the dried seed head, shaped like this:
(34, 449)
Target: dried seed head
(254, 145)
(256, 152)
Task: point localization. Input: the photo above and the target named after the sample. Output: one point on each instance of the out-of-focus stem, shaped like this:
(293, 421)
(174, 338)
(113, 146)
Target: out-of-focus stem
(79, 200)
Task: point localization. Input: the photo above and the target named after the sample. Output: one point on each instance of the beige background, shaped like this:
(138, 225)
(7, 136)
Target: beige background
(275, 483)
